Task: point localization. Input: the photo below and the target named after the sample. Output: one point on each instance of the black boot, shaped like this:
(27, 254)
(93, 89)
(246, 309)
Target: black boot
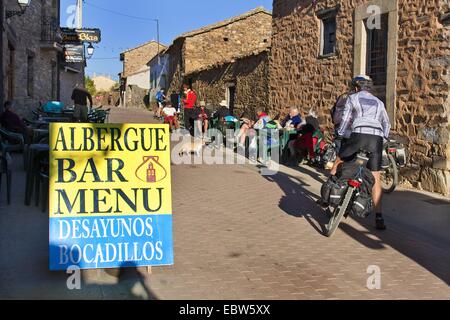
(379, 220)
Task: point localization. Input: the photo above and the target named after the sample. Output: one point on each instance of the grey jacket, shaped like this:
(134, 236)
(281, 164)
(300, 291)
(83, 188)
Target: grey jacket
(365, 113)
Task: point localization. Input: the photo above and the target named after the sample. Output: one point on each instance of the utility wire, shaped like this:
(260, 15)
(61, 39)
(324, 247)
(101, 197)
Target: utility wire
(115, 58)
(118, 13)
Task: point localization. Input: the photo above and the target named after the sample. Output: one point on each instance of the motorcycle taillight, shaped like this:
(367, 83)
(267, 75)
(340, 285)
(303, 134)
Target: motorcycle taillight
(354, 183)
(392, 150)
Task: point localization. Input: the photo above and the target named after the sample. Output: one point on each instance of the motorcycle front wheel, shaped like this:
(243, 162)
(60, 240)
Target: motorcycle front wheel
(389, 176)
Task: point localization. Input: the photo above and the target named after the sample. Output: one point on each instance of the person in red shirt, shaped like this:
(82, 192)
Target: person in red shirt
(189, 101)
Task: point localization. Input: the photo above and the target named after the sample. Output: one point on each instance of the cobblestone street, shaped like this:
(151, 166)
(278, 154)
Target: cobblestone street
(241, 235)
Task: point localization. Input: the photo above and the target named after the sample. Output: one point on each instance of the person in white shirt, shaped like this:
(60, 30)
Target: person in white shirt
(170, 116)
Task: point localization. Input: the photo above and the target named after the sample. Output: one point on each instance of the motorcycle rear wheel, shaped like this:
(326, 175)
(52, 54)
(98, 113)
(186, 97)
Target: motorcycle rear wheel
(389, 176)
(339, 213)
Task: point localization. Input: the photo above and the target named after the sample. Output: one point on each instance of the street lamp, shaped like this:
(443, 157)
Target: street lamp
(90, 50)
(23, 4)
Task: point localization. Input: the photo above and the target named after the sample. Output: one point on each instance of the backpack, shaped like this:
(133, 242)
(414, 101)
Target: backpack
(53, 106)
(272, 125)
(230, 119)
(159, 96)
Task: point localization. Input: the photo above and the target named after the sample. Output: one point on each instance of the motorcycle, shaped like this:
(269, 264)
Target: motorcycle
(394, 157)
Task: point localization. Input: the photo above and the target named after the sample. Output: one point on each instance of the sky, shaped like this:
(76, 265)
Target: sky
(121, 32)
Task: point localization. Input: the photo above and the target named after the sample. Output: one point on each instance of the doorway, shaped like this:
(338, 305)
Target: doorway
(10, 72)
(231, 97)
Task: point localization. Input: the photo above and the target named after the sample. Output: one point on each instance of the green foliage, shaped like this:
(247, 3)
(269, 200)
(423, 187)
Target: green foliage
(90, 86)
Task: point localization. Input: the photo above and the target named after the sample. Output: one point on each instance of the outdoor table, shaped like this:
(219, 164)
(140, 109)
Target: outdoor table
(265, 150)
(55, 119)
(64, 113)
(30, 168)
(39, 134)
(286, 137)
(222, 126)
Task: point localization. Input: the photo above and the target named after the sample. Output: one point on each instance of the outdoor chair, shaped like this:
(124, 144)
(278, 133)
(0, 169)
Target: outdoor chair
(44, 178)
(35, 154)
(5, 170)
(11, 141)
(41, 170)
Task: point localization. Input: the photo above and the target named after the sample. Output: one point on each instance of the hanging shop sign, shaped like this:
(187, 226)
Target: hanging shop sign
(70, 35)
(74, 53)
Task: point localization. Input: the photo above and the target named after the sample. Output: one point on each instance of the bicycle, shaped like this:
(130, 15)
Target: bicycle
(353, 185)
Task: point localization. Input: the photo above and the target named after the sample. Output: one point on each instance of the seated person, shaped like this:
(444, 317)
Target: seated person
(170, 116)
(304, 144)
(10, 121)
(292, 120)
(202, 116)
(249, 124)
(222, 112)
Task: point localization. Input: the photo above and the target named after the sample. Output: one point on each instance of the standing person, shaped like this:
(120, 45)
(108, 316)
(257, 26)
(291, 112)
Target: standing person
(369, 122)
(189, 101)
(80, 97)
(175, 101)
(160, 99)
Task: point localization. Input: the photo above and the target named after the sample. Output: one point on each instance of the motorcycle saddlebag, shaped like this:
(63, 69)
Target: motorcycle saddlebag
(325, 191)
(337, 193)
(362, 205)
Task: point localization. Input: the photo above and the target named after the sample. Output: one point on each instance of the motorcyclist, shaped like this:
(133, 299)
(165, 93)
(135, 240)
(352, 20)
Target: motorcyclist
(368, 120)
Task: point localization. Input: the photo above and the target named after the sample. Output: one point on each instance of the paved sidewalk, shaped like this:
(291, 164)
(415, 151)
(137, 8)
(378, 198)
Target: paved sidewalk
(240, 235)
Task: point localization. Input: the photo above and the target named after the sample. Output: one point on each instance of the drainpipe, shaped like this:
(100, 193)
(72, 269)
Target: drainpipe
(59, 56)
(2, 83)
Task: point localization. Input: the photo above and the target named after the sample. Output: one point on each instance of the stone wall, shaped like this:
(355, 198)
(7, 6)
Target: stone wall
(68, 80)
(299, 77)
(135, 59)
(135, 97)
(24, 35)
(251, 34)
(176, 66)
(245, 35)
(249, 75)
(102, 99)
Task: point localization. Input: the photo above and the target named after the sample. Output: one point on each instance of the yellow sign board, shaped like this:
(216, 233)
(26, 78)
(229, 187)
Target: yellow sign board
(110, 196)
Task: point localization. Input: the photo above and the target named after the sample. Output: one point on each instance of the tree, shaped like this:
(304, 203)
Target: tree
(90, 85)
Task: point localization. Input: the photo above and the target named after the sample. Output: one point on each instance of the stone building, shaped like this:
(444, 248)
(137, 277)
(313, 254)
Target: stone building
(227, 60)
(404, 45)
(135, 77)
(34, 70)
